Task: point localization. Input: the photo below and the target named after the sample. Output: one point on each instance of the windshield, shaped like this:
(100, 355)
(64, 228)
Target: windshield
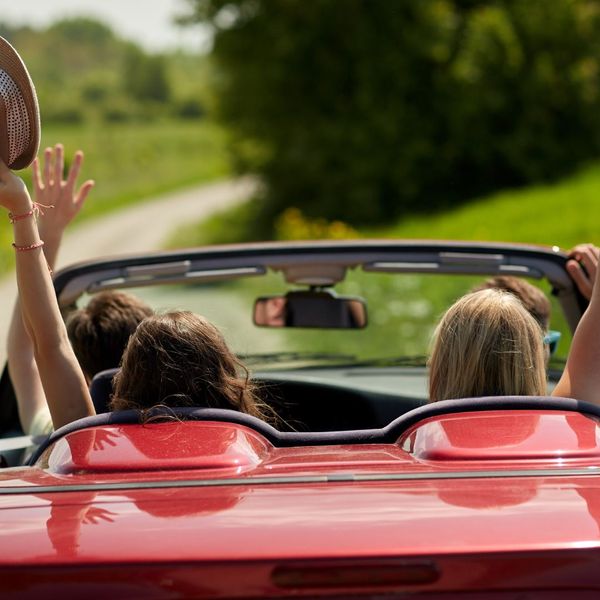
(403, 310)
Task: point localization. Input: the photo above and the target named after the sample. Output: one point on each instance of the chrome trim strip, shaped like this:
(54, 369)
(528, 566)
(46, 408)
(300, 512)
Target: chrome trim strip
(301, 479)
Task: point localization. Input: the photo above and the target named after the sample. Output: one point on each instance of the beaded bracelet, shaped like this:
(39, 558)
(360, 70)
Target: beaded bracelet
(36, 208)
(30, 247)
(14, 218)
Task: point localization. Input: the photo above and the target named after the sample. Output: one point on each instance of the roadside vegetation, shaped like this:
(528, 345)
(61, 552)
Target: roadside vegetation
(562, 214)
(448, 119)
(386, 110)
(132, 162)
(143, 120)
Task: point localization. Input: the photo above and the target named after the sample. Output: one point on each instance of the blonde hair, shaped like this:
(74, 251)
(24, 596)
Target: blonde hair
(487, 344)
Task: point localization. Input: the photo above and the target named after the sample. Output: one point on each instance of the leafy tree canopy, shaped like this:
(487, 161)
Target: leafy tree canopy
(84, 72)
(366, 110)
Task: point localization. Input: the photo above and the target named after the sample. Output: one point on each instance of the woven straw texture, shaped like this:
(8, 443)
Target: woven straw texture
(19, 112)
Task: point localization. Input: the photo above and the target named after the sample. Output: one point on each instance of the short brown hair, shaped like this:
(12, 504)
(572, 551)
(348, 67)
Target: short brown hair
(487, 344)
(532, 298)
(100, 330)
(181, 359)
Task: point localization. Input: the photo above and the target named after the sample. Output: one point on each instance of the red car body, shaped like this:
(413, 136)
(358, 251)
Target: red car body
(493, 498)
(121, 511)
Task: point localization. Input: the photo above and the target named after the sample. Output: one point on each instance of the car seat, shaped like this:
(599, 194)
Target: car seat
(101, 389)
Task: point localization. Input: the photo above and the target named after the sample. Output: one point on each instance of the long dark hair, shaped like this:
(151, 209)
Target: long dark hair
(181, 359)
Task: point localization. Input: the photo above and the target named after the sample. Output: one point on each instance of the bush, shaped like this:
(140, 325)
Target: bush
(63, 114)
(293, 225)
(368, 110)
(190, 108)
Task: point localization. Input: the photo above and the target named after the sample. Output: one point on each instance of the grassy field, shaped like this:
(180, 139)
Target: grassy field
(133, 161)
(562, 214)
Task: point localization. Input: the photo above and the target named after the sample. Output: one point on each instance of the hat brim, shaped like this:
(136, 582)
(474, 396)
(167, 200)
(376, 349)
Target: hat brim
(12, 64)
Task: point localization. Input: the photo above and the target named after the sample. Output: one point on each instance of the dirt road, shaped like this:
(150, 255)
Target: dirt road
(143, 227)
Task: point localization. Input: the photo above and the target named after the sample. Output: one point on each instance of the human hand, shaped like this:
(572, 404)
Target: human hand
(51, 189)
(13, 192)
(94, 514)
(583, 267)
(103, 439)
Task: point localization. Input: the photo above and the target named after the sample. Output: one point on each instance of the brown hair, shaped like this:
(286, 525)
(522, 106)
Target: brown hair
(487, 344)
(533, 299)
(100, 331)
(181, 359)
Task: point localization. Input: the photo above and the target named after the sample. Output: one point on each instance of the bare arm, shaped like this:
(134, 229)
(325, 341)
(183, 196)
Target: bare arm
(581, 377)
(63, 382)
(51, 189)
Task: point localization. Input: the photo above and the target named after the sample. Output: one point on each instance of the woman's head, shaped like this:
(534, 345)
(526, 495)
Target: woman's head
(181, 359)
(100, 331)
(487, 344)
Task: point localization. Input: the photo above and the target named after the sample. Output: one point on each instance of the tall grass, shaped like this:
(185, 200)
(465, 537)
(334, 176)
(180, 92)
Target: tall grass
(131, 162)
(563, 214)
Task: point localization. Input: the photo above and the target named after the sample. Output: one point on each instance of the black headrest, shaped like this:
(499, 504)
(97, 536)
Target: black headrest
(101, 389)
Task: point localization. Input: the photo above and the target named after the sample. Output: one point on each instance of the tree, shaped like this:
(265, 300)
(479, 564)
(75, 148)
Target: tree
(145, 76)
(365, 110)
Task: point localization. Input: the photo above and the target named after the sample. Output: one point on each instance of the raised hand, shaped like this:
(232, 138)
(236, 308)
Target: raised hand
(103, 439)
(94, 514)
(37, 346)
(52, 189)
(583, 266)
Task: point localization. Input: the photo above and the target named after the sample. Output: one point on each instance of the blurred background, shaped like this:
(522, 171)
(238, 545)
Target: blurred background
(456, 119)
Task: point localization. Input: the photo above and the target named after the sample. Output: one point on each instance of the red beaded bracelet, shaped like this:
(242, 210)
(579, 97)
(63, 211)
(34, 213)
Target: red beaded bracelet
(30, 247)
(14, 218)
(36, 209)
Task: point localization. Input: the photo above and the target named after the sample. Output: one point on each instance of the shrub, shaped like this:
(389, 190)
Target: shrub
(367, 110)
(293, 225)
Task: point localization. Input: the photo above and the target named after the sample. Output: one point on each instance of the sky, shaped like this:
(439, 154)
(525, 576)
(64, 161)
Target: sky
(148, 22)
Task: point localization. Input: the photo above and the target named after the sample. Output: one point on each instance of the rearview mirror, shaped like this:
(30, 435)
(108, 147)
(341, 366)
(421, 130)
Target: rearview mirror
(318, 309)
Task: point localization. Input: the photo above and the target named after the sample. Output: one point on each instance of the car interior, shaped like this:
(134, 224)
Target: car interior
(335, 335)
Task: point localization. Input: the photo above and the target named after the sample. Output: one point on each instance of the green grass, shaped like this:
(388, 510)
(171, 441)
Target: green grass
(131, 162)
(228, 227)
(563, 214)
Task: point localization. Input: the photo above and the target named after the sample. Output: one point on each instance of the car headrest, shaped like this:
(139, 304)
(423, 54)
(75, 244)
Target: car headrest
(101, 389)
(386, 435)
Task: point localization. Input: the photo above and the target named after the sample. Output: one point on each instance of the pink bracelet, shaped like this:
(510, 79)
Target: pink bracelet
(14, 218)
(30, 247)
(36, 208)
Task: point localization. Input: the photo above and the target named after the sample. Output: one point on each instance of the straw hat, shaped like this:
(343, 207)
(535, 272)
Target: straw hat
(19, 112)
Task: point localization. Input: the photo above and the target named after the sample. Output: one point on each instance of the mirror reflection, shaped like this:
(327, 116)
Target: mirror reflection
(311, 309)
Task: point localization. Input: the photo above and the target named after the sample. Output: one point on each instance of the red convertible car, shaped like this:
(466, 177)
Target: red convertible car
(363, 491)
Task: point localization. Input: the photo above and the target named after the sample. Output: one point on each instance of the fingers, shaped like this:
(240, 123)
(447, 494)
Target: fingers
(74, 170)
(83, 192)
(586, 255)
(54, 165)
(581, 279)
(583, 267)
(59, 162)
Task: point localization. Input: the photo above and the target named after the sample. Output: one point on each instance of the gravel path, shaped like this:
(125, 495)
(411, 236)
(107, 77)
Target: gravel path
(143, 227)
